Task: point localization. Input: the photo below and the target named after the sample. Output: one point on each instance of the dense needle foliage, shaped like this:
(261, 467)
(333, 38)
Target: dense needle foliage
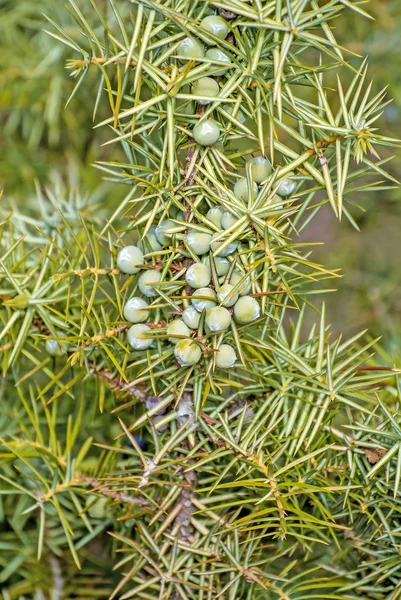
(151, 472)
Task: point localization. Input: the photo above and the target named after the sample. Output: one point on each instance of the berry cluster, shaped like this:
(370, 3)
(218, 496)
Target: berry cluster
(214, 293)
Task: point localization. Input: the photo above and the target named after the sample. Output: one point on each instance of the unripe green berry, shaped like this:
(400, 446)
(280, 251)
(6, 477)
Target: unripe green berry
(260, 168)
(217, 54)
(214, 246)
(150, 243)
(226, 296)
(56, 347)
(136, 310)
(146, 279)
(191, 48)
(245, 287)
(137, 336)
(97, 506)
(177, 328)
(215, 25)
(206, 132)
(222, 265)
(198, 275)
(227, 220)
(162, 237)
(191, 317)
(204, 298)
(215, 215)
(218, 319)
(238, 116)
(187, 352)
(198, 242)
(130, 259)
(241, 189)
(205, 86)
(225, 356)
(287, 186)
(246, 310)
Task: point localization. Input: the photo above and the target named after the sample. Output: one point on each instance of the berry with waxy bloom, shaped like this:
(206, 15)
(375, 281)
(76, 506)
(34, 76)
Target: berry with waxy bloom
(245, 285)
(246, 310)
(227, 250)
(287, 185)
(56, 347)
(241, 189)
(145, 281)
(187, 352)
(198, 242)
(260, 167)
(162, 237)
(205, 86)
(228, 219)
(130, 259)
(138, 336)
(218, 55)
(150, 243)
(204, 298)
(191, 48)
(226, 296)
(225, 356)
(177, 328)
(215, 215)
(191, 317)
(218, 319)
(136, 310)
(206, 132)
(215, 25)
(198, 275)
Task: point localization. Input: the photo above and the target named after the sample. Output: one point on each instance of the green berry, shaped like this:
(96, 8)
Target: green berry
(145, 281)
(138, 338)
(205, 86)
(187, 352)
(215, 215)
(226, 296)
(198, 275)
(215, 25)
(246, 310)
(218, 319)
(198, 242)
(162, 237)
(191, 317)
(287, 186)
(204, 298)
(97, 506)
(206, 132)
(227, 220)
(130, 259)
(150, 243)
(216, 54)
(225, 356)
(177, 328)
(222, 265)
(241, 189)
(238, 115)
(136, 310)
(55, 347)
(214, 246)
(245, 287)
(260, 168)
(191, 48)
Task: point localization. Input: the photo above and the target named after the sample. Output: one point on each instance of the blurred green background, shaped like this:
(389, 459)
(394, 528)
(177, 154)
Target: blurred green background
(40, 140)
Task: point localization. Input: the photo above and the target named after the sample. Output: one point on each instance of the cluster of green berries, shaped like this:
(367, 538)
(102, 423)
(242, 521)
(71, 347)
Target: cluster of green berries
(213, 305)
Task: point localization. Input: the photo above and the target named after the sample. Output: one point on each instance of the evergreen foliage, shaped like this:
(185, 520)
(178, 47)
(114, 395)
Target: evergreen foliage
(137, 461)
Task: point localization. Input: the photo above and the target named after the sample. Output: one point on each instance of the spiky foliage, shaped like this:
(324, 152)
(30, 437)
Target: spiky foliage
(126, 474)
